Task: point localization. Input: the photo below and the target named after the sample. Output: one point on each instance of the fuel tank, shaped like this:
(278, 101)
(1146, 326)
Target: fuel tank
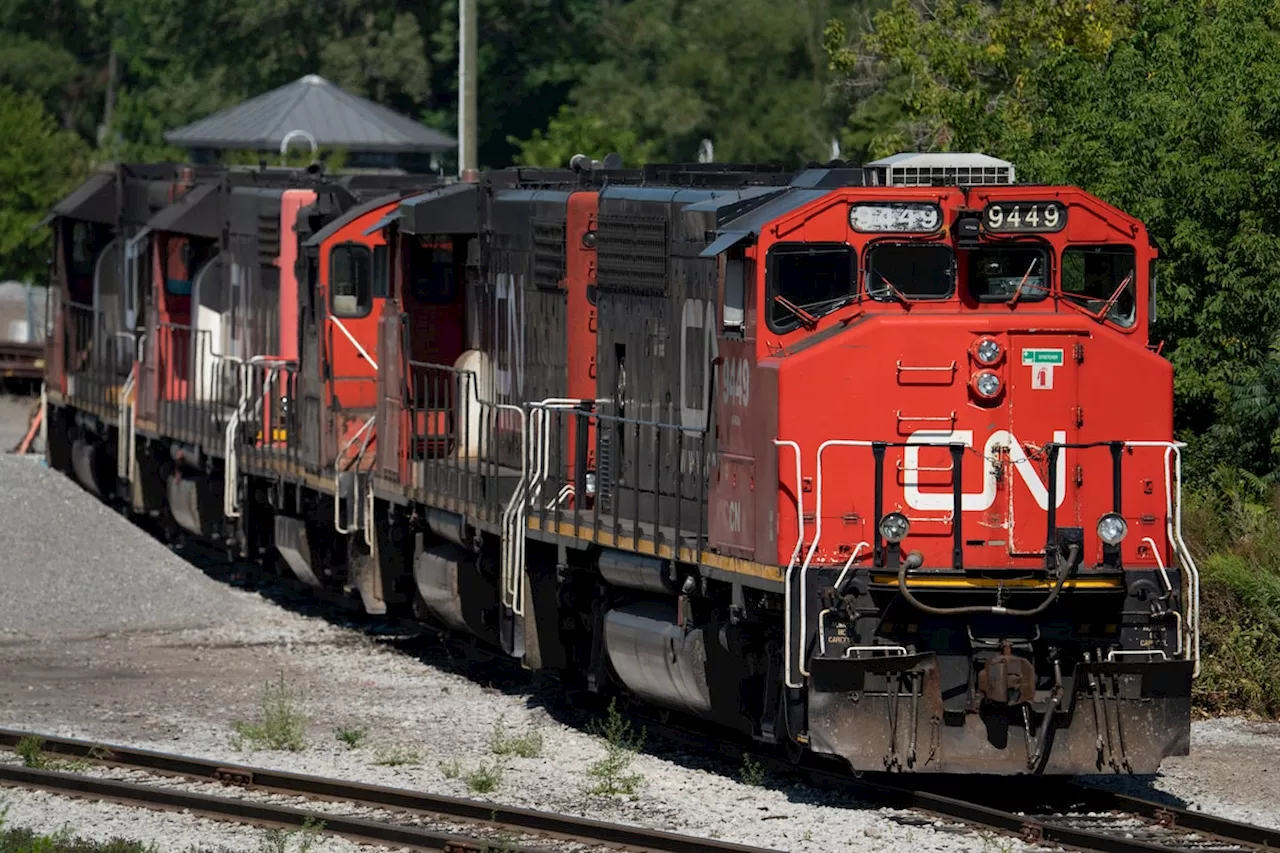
(93, 466)
(656, 658)
(453, 589)
(196, 503)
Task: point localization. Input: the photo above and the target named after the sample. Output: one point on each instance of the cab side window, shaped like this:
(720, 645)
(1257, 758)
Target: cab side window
(1102, 279)
(812, 277)
(350, 276)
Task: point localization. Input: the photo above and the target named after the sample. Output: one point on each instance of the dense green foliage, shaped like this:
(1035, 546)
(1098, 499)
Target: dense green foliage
(1163, 110)
(1161, 115)
(647, 78)
(38, 163)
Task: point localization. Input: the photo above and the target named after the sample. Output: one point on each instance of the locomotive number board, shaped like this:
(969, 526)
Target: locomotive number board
(1024, 216)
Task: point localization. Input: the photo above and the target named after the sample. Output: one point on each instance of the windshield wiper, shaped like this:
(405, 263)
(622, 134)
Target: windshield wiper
(1017, 292)
(1076, 299)
(1110, 303)
(826, 306)
(892, 291)
(806, 319)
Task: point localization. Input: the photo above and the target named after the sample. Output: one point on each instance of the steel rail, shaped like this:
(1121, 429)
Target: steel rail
(1029, 825)
(529, 821)
(1060, 829)
(241, 810)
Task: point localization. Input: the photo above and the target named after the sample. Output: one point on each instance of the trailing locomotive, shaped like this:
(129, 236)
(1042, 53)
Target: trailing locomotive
(874, 462)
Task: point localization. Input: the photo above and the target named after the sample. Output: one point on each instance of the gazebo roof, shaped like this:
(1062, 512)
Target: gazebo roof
(334, 118)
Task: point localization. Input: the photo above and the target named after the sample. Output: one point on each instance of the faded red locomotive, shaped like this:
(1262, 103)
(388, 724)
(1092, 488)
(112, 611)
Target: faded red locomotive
(874, 462)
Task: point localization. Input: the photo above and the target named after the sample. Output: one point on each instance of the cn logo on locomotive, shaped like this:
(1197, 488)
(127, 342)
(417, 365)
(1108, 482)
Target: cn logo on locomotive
(979, 501)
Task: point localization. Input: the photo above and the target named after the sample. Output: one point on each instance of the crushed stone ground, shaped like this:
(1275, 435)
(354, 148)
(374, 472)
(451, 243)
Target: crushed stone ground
(106, 634)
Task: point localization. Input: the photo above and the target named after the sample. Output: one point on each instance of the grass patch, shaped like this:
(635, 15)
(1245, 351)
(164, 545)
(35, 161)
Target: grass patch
(451, 769)
(484, 778)
(621, 745)
(26, 841)
(281, 723)
(350, 736)
(527, 745)
(397, 756)
(1233, 530)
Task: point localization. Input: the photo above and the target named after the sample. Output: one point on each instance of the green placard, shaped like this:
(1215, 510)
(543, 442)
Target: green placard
(1042, 356)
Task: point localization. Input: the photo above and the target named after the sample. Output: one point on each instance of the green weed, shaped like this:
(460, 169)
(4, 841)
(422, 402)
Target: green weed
(351, 737)
(31, 750)
(451, 769)
(621, 745)
(752, 772)
(397, 756)
(281, 723)
(279, 840)
(484, 778)
(527, 745)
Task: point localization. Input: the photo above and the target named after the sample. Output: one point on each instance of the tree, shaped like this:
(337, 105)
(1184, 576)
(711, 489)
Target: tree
(39, 163)
(749, 75)
(1160, 114)
(570, 132)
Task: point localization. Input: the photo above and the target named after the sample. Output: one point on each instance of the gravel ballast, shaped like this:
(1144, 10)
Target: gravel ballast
(134, 645)
(73, 567)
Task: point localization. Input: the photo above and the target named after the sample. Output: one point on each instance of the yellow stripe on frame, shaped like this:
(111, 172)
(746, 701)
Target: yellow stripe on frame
(991, 583)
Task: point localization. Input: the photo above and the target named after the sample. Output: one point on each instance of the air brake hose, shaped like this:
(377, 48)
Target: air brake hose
(915, 559)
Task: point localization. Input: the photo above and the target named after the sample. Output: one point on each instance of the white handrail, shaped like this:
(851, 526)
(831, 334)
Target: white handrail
(1173, 529)
(529, 487)
(231, 476)
(360, 349)
(337, 479)
(817, 537)
(1173, 485)
(1168, 586)
(123, 431)
(791, 565)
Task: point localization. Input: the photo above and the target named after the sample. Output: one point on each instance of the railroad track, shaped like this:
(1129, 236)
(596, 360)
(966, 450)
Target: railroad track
(1043, 811)
(1065, 813)
(493, 825)
(1051, 812)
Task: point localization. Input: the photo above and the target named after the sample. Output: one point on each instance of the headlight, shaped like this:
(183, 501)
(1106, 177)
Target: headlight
(987, 384)
(591, 483)
(894, 527)
(988, 351)
(1112, 528)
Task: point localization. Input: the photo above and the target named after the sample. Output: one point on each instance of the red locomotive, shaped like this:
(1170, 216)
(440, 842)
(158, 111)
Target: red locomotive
(875, 462)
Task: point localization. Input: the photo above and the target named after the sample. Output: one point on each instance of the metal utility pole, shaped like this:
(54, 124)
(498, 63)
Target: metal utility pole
(467, 158)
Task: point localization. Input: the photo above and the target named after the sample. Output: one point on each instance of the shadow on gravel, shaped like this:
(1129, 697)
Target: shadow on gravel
(674, 738)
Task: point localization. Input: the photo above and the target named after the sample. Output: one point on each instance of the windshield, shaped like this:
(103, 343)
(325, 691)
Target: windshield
(910, 271)
(1102, 280)
(813, 278)
(996, 274)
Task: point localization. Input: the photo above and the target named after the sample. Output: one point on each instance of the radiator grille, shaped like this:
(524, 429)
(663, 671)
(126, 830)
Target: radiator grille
(631, 255)
(548, 254)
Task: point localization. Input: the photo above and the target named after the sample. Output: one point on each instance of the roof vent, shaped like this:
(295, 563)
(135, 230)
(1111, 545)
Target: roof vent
(947, 170)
